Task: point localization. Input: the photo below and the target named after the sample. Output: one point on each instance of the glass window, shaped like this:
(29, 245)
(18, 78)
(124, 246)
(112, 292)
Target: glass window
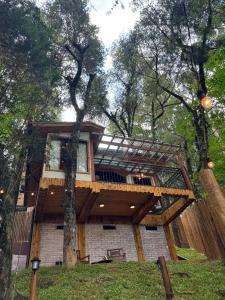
(55, 161)
(54, 155)
(82, 157)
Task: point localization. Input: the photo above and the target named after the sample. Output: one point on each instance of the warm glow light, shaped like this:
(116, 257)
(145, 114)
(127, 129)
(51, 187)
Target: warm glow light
(206, 102)
(1, 191)
(132, 206)
(211, 165)
(32, 194)
(142, 175)
(101, 205)
(51, 193)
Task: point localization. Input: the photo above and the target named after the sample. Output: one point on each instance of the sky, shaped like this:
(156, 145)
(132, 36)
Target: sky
(111, 26)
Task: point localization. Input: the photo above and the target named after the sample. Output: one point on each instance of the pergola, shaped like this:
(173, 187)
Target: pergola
(136, 156)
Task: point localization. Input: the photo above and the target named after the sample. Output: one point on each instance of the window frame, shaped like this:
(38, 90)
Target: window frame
(87, 142)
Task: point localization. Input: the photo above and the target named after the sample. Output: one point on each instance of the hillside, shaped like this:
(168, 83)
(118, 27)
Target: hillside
(193, 279)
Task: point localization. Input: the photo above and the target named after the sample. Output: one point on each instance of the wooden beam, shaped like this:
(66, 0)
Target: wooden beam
(112, 186)
(170, 242)
(81, 239)
(35, 243)
(87, 206)
(152, 220)
(176, 209)
(144, 209)
(184, 172)
(138, 243)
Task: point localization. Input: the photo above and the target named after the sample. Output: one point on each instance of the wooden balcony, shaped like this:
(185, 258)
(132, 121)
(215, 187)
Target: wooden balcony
(112, 202)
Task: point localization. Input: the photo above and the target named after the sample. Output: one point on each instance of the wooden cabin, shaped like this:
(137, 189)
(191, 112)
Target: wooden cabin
(128, 191)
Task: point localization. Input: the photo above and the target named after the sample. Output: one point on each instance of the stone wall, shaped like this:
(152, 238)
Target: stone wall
(98, 241)
(154, 243)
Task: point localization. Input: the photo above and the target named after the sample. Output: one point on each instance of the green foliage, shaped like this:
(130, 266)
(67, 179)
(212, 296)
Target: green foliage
(126, 281)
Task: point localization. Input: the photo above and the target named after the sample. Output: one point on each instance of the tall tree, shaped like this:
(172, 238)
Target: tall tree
(28, 73)
(178, 38)
(76, 41)
(125, 82)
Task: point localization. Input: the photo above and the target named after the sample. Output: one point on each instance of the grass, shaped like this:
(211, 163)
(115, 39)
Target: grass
(127, 281)
(190, 254)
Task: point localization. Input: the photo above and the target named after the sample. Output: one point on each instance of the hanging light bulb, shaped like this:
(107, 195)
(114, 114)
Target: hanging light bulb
(210, 164)
(206, 102)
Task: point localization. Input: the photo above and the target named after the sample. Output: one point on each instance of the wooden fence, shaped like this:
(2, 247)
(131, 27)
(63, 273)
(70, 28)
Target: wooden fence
(21, 238)
(195, 227)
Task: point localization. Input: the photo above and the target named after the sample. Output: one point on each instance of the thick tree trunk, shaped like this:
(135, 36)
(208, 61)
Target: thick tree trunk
(7, 211)
(216, 203)
(70, 245)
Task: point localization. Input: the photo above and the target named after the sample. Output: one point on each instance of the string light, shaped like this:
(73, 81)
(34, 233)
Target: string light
(132, 206)
(205, 101)
(101, 205)
(32, 194)
(51, 193)
(210, 164)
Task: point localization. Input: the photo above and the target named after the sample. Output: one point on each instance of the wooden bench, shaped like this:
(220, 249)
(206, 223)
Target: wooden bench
(116, 254)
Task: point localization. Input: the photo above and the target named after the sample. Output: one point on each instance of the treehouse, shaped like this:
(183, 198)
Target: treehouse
(127, 193)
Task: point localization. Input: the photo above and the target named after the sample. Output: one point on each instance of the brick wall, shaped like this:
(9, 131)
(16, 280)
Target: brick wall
(51, 245)
(99, 240)
(154, 243)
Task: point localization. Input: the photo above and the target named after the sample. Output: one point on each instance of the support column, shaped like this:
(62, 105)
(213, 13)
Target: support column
(35, 243)
(170, 242)
(81, 239)
(138, 242)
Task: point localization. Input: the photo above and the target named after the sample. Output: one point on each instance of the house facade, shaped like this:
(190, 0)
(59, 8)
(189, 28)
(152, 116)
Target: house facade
(127, 193)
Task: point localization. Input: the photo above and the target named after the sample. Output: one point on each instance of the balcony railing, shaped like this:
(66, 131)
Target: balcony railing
(163, 177)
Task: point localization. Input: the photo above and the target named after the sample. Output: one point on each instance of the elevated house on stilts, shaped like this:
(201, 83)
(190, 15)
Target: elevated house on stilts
(128, 191)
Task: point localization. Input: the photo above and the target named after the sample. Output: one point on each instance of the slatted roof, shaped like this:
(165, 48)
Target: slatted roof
(133, 154)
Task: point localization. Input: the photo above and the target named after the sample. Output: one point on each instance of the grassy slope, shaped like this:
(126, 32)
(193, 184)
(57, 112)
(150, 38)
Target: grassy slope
(126, 281)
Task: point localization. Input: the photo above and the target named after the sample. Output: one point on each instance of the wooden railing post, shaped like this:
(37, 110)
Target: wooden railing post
(184, 172)
(161, 262)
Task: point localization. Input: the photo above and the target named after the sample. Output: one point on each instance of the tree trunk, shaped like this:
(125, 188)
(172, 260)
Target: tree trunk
(69, 245)
(216, 203)
(7, 211)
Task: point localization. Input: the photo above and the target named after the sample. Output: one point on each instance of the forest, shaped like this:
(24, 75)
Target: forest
(166, 83)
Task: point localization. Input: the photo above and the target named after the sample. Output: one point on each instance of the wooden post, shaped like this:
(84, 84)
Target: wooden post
(170, 242)
(35, 243)
(138, 243)
(33, 286)
(81, 239)
(161, 262)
